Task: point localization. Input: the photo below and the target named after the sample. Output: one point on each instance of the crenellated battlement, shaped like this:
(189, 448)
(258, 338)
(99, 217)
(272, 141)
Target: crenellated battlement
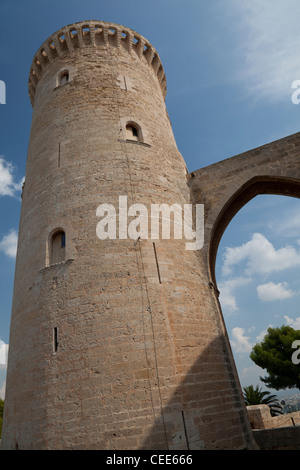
(98, 34)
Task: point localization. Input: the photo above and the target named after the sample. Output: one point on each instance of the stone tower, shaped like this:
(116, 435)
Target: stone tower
(114, 343)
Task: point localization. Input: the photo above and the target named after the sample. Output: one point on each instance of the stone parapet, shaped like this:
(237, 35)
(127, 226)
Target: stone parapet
(260, 418)
(93, 34)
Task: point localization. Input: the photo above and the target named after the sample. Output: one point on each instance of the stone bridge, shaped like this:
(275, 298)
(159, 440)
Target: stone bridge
(225, 187)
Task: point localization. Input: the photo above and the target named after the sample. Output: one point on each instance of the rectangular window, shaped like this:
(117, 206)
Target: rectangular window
(58, 247)
(55, 339)
(63, 240)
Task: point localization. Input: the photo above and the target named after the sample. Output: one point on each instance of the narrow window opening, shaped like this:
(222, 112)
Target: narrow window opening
(133, 132)
(55, 339)
(63, 240)
(58, 160)
(58, 247)
(64, 78)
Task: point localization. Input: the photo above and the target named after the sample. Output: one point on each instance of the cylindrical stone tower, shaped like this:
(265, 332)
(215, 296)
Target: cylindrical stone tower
(115, 343)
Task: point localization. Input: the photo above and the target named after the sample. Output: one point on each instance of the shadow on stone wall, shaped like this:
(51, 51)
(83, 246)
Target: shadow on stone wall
(206, 410)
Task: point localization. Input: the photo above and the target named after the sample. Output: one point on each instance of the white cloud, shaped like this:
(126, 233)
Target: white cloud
(3, 353)
(8, 185)
(227, 297)
(260, 256)
(294, 323)
(8, 244)
(263, 333)
(271, 291)
(269, 40)
(239, 342)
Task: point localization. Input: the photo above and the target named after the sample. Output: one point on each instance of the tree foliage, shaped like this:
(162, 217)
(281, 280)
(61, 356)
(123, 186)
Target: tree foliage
(255, 396)
(275, 354)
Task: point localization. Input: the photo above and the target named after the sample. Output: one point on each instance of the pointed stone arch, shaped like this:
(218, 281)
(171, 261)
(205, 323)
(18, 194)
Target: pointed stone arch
(225, 187)
(256, 186)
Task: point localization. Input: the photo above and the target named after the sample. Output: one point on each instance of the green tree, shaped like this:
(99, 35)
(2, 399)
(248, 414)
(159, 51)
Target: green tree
(1, 414)
(255, 396)
(277, 353)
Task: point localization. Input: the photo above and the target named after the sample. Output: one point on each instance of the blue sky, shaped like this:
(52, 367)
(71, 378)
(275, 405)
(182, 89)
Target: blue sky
(230, 66)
